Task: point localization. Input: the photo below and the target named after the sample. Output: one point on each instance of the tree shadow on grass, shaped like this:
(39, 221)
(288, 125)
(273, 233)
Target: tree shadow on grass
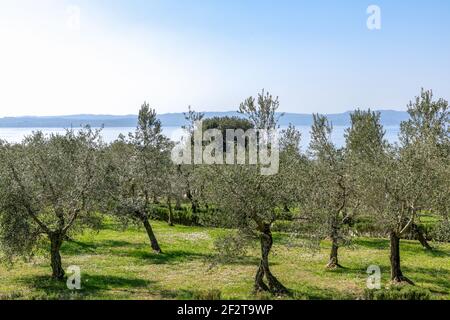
(306, 292)
(104, 283)
(74, 247)
(439, 277)
(346, 270)
(167, 257)
(309, 292)
(185, 294)
(437, 253)
(91, 286)
(377, 244)
(411, 246)
(180, 256)
(143, 254)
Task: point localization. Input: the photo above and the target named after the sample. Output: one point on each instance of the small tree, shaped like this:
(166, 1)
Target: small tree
(138, 172)
(48, 188)
(425, 137)
(292, 166)
(328, 190)
(188, 173)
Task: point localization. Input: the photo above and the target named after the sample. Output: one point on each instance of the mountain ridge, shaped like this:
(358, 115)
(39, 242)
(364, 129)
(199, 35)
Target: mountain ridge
(388, 118)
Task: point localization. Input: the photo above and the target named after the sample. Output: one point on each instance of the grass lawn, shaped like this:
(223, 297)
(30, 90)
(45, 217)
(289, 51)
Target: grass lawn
(119, 264)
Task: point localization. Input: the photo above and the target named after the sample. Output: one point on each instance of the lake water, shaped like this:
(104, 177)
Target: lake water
(15, 135)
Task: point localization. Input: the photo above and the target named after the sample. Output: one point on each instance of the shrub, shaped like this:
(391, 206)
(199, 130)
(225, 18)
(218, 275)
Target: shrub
(183, 216)
(398, 293)
(206, 217)
(365, 226)
(212, 294)
(14, 295)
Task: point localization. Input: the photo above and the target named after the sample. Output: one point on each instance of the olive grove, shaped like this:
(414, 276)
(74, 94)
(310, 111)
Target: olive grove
(52, 187)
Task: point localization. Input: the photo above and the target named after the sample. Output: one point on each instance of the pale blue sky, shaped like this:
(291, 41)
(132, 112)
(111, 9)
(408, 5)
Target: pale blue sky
(318, 56)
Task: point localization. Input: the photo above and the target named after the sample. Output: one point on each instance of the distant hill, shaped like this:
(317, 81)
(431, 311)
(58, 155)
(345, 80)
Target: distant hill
(389, 118)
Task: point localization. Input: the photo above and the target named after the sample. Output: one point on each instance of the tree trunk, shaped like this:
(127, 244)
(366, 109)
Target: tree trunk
(260, 286)
(193, 202)
(274, 286)
(169, 204)
(419, 235)
(151, 235)
(396, 272)
(178, 203)
(334, 263)
(56, 241)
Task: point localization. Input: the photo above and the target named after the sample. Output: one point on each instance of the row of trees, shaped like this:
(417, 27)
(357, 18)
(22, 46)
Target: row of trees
(391, 184)
(52, 187)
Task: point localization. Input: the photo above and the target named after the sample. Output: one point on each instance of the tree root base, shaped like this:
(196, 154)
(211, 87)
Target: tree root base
(402, 280)
(334, 266)
(274, 291)
(61, 277)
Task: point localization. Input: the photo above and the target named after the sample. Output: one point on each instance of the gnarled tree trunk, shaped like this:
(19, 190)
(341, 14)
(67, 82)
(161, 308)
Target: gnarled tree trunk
(274, 286)
(56, 240)
(151, 235)
(396, 272)
(333, 263)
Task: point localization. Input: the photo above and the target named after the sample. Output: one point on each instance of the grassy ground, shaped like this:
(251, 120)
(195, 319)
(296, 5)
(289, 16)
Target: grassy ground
(119, 264)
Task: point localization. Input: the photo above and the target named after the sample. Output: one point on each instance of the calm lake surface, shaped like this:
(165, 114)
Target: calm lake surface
(15, 135)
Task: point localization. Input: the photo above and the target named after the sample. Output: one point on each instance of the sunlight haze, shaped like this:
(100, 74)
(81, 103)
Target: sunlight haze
(107, 57)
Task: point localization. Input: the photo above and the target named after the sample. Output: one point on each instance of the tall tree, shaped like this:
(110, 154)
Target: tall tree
(400, 182)
(188, 173)
(328, 190)
(138, 172)
(381, 178)
(292, 166)
(427, 133)
(249, 198)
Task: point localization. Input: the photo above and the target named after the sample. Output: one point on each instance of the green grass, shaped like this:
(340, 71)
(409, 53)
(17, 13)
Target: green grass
(119, 264)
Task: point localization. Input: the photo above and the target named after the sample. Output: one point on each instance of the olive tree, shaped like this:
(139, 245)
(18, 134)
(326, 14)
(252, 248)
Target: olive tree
(425, 137)
(398, 182)
(249, 198)
(48, 189)
(137, 171)
(327, 193)
(292, 167)
(188, 174)
(381, 180)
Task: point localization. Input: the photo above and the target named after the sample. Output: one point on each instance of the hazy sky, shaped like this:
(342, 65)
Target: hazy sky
(108, 56)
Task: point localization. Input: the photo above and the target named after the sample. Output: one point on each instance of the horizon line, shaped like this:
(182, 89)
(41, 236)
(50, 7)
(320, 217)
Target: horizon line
(179, 113)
